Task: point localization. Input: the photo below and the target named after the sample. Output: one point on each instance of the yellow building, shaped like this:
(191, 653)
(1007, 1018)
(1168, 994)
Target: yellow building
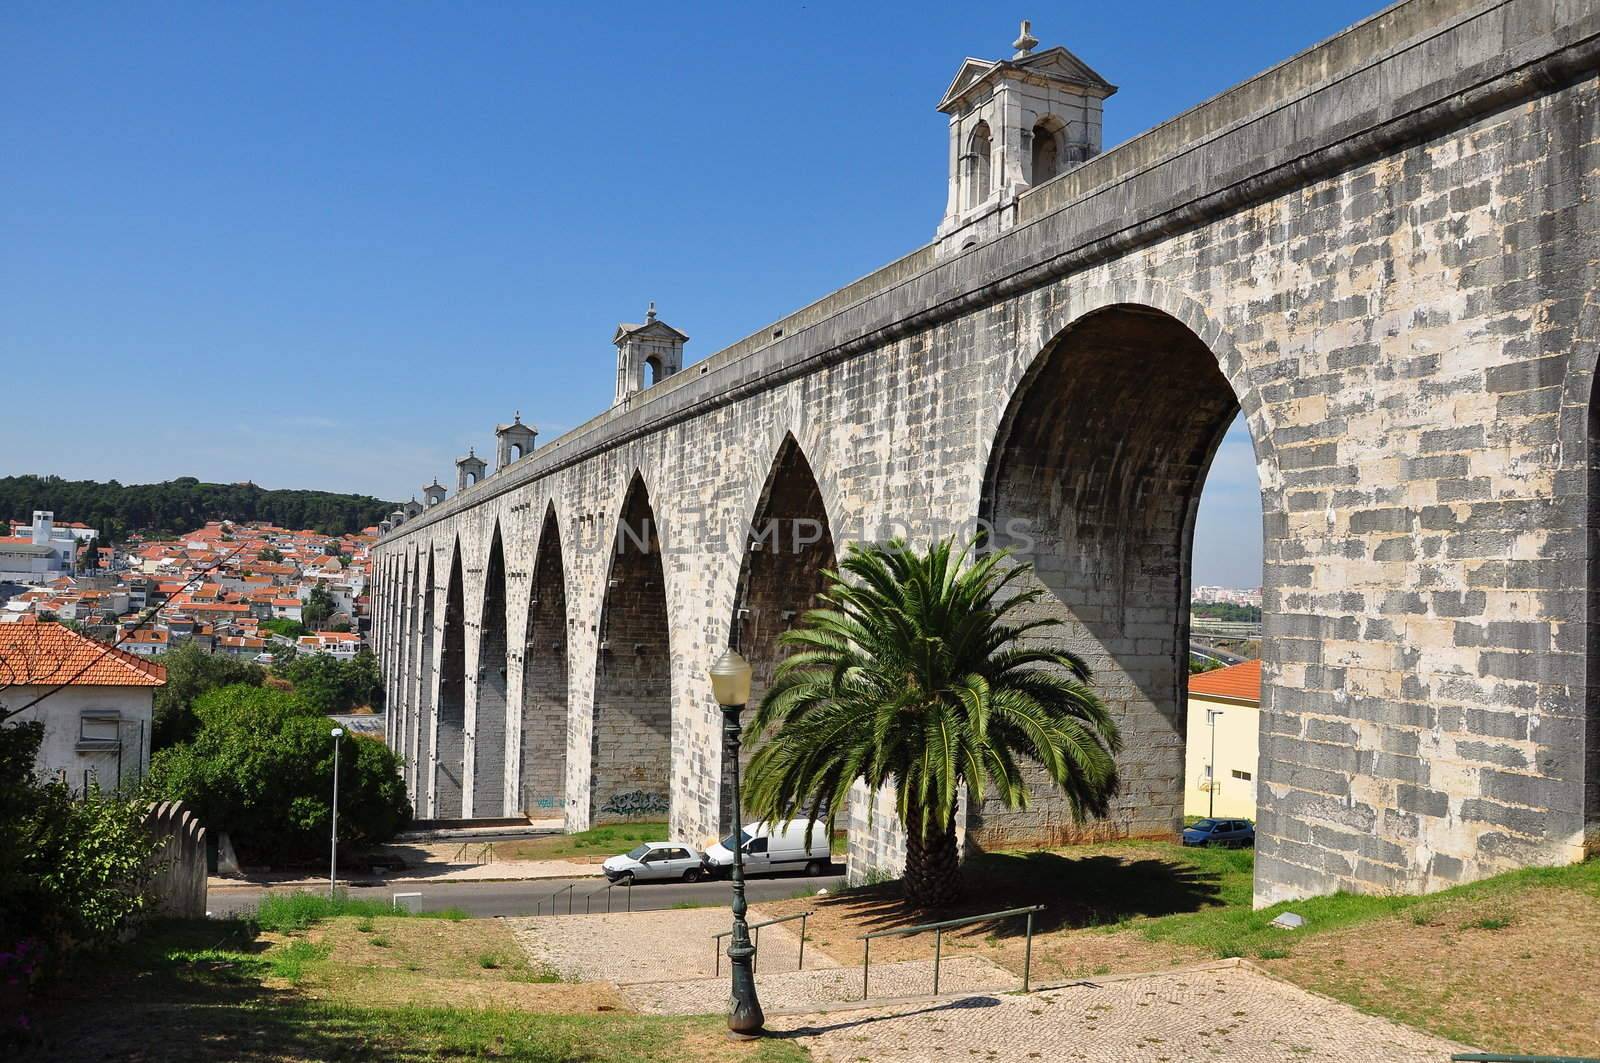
(1224, 715)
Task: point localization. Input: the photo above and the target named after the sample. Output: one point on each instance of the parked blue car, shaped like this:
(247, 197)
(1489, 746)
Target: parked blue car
(1231, 833)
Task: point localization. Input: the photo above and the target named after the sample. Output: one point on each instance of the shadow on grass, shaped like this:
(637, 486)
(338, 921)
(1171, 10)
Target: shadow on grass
(1077, 891)
(189, 990)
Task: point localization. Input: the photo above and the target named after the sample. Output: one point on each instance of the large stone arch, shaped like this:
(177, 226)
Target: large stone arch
(1094, 476)
(450, 771)
(541, 790)
(424, 788)
(490, 720)
(632, 722)
(788, 544)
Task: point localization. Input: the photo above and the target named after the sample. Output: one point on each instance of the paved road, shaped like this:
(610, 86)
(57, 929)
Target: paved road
(521, 898)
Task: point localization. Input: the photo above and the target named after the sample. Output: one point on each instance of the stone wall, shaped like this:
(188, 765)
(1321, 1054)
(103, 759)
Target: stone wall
(1386, 262)
(177, 884)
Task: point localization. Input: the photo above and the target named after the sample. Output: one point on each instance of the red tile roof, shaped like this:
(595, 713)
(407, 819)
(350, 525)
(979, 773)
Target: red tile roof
(1240, 682)
(48, 654)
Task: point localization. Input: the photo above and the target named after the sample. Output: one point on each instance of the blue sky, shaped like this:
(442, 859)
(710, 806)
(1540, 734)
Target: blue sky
(330, 245)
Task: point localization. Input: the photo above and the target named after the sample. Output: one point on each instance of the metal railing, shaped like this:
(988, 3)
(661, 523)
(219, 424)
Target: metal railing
(755, 940)
(485, 854)
(938, 942)
(606, 889)
(1496, 1057)
(554, 898)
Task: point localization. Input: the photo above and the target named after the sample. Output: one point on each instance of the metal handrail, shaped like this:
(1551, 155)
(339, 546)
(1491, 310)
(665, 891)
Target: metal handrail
(1496, 1057)
(485, 853)
(606, 889)
(938, 942)
(756, 941)
(567, 889)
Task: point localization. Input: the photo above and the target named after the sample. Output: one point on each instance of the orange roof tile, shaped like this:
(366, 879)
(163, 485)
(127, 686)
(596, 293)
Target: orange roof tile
(1240, 682)
(48, 654)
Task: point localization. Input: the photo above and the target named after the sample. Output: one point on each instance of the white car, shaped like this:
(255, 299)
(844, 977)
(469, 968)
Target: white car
(771, 848)
(657, 861)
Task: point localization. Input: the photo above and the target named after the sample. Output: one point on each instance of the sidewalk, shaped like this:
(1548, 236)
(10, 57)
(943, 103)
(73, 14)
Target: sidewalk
(499, 871)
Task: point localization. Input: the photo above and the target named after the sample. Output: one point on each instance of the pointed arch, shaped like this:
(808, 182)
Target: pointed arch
(631, 743)
(543, 776)
(1095, 477)
(489, 718)
(424, 788)
(451, 761)
(788, 547)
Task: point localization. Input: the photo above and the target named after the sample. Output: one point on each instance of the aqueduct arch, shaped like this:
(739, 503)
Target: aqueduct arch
(490, 725)
(545, 671)
(788, 547)
(631, 741)
(450, 764)
(1095, 477)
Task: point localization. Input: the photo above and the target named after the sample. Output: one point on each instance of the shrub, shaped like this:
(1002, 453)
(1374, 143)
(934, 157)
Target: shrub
(261, 768)
(72, 866)
(192, 673)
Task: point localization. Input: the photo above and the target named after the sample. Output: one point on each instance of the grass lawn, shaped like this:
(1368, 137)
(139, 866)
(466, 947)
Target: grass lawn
(354, 986)
(1511, 963)
(588, 847)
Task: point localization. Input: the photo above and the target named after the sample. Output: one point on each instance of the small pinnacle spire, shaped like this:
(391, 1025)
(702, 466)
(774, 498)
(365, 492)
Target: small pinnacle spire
(650, 315)
(1026, 42)
(516, 418)
(472, 452)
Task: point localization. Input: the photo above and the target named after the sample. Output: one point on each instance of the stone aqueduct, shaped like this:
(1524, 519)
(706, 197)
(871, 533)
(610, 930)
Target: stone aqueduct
(1382, 250)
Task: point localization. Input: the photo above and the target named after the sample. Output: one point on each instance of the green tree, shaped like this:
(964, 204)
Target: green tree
(91, 556)
(261, 768)
(270, 554)
(319, 605)
(919, 674)
(73, 866)
(330, 685)
(192, 673)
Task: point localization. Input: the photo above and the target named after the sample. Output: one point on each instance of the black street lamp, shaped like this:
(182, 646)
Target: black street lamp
(730, 683)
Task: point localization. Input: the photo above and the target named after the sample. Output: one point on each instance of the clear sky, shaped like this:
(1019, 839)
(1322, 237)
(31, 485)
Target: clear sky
(330, 245)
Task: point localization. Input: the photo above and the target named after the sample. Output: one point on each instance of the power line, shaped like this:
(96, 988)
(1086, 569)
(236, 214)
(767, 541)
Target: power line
(150, 614)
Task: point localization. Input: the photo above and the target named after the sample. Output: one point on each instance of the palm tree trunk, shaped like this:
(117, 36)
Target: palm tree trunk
(933, 864)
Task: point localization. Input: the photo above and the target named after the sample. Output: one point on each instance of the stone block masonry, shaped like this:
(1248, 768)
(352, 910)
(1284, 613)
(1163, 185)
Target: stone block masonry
(1382, 252)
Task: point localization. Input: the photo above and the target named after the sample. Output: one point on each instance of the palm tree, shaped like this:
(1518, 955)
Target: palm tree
(919, 674)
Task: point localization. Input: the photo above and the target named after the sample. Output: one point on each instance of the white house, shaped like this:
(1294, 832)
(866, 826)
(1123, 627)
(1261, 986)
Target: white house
(97, 725)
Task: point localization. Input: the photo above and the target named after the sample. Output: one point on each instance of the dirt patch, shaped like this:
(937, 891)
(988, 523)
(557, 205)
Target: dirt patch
(1511, 974)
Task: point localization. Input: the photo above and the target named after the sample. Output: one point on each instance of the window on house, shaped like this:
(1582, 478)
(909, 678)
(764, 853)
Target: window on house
(1237, 774)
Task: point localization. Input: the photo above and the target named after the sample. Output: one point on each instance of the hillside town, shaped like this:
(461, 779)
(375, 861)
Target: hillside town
(248, 590)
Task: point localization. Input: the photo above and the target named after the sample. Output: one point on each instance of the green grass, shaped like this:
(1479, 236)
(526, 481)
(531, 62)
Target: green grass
(1234, 929)
(293, 961)
(289, 913)
(195, 990)
(597, 842)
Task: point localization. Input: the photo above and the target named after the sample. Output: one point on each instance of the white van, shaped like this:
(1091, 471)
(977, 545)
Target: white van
(772, 848)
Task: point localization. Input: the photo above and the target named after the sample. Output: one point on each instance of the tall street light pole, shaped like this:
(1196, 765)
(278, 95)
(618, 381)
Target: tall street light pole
(730, 683)
(1211, 791)
(333, 858)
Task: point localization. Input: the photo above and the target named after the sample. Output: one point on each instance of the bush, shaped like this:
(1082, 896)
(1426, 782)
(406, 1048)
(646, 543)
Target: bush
(191, 673)
(72, 866)
(261, 768)
(330, 685)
